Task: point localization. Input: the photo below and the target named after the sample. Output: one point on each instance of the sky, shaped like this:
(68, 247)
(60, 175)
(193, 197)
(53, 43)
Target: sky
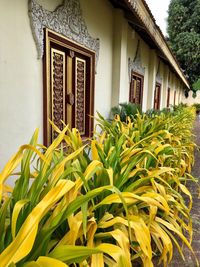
(159, 10)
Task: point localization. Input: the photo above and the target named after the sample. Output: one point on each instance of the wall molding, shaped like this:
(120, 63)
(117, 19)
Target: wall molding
(66, 19)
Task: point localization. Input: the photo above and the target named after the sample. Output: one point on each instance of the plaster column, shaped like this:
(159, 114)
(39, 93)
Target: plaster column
(165, 86)
(172, 90)
(120, 64)
(152, 78)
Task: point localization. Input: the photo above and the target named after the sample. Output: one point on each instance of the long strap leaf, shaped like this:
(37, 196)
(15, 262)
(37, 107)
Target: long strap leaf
(25, 238)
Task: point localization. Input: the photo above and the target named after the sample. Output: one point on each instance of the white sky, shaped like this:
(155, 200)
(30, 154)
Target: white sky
(159, 10)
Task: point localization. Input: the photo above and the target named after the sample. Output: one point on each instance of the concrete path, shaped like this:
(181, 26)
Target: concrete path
(189, 259)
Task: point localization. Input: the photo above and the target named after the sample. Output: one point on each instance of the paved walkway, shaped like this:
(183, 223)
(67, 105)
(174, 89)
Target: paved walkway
(189, 260)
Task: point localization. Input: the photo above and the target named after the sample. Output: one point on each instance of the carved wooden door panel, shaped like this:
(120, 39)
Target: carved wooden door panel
(157, 93)
(136, 89)
(68, 86)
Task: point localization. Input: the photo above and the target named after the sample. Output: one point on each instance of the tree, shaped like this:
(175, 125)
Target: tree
(184, 36)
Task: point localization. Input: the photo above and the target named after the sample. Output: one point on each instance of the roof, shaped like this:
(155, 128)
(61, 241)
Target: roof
(139, 15)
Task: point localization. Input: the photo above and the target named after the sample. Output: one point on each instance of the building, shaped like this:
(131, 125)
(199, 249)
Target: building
(190, 100)
(66, 59)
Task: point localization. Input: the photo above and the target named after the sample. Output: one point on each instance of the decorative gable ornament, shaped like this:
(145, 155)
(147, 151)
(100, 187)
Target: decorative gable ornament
(67, 20)
(158, 78)
(136, 66)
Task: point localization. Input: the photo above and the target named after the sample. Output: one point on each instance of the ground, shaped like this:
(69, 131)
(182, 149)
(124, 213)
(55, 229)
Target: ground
(189, 259)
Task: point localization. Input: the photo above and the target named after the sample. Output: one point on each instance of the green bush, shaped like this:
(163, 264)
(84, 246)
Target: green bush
(197, 106)
(114, 201)
(125, 110)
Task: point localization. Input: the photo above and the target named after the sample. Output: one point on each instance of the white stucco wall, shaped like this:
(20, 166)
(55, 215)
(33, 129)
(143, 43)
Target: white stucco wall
(125, 46)
(153, 67)
(120, 61)
(20, 79)
(99, 19)
(143, 50)
(165, 86)
(145, 63)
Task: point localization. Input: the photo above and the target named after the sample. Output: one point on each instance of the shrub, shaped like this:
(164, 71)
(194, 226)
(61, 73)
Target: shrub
(120, 205)
(125, 110)
(197, 106)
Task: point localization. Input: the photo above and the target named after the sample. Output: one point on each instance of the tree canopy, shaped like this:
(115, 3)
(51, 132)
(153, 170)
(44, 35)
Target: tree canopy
(184, 36)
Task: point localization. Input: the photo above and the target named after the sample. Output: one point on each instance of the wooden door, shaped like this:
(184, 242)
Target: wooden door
(68, 86)
(136, 89)
(157, 95)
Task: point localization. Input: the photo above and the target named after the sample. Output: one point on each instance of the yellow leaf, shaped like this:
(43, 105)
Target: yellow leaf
(17, 208)
(110, 175)
(166, 246)
(56, 142)
(91, 169)
(97, 260)
(114, 251)
(172, 228)
(140, 229)
(123, 242)
(91, 231)
(160, 148)
(45, 262)
(14, 162)
(25, 238)
(50, 262)
(150, 198)
(31, 264)
(59, 169)
(187, 192)
(75, 223)
(95, 155)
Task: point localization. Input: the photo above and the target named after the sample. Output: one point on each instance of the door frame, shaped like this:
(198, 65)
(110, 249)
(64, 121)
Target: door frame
(141, 77)
(157, 101)
(55, 38)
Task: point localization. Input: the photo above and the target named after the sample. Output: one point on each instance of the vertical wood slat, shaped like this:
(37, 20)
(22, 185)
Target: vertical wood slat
(58, 81)
(134, 88)
(69, 89)
(80, 92)
(138, 91)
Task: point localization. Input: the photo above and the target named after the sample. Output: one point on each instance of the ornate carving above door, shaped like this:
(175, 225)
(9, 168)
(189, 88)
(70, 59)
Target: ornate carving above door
(158, 78)
(67, 20)
(135, 66)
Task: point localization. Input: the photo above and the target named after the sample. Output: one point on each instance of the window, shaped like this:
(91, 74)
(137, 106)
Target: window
(136, 89)
(68, 85)
(168, 97)
(157, 93)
